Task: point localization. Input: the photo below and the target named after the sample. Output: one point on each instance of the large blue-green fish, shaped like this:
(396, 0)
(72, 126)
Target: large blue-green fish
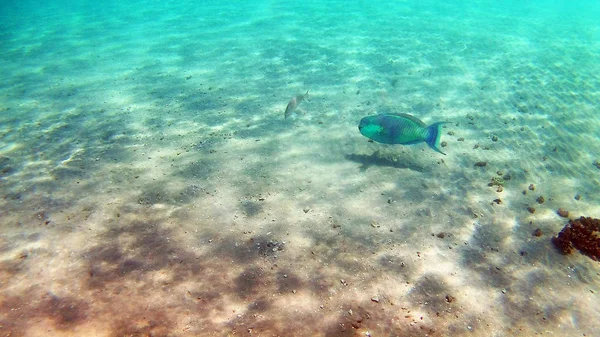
(400, 129)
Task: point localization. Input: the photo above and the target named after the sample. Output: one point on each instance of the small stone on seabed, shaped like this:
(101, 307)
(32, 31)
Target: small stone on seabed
(532, 187)
(537, 232)
(375, 299)
(480, 163)
(494, 138)
(531, 209)
(443, 144)
(563, 212)
(540, 199)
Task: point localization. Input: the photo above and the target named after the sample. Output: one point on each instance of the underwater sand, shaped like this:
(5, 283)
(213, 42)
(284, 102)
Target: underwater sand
(151, 186)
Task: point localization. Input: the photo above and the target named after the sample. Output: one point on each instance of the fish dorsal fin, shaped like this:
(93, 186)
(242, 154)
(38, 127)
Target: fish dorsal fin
(410, 117)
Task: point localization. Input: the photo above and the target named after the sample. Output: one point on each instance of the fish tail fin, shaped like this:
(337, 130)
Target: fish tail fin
(432, 138)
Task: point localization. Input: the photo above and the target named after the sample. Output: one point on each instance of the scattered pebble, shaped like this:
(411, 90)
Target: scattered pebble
(563, 212)
(480, 163)
(375, 299)
(306, 210)
(450, 133)
(443, 144)
(540, 199)
(578, 197)
(531, 209)
(524, 192)
(497, 201)
(537, 232)
(496, 181)
(499, 189)
(494, 138)
(461, 139)
(532, 187)
(597, 164)
(449, 298)
(270, 248)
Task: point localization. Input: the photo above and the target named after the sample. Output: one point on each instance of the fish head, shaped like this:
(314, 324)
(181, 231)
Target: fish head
(369, 127)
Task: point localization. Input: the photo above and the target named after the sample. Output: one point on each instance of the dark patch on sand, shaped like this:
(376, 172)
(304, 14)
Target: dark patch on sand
(376, 159)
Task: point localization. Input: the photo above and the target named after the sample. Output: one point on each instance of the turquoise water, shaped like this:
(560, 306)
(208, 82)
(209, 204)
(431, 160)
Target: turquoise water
(152, 186)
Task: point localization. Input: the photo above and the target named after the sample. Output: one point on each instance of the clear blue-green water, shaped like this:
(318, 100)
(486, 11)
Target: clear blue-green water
(151, 186)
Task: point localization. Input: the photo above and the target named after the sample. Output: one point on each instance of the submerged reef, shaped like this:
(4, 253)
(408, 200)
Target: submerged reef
(583, 234)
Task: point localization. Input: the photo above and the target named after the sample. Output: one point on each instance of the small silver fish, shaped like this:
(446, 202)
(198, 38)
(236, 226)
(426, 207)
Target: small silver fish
(293, 104)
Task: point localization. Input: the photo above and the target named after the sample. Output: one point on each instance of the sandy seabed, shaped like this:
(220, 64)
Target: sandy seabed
(151, 186)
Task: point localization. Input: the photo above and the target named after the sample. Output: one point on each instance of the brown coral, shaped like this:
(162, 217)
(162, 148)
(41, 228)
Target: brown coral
(583, 234)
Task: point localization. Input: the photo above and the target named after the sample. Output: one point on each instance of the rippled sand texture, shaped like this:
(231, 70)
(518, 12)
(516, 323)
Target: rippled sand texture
(151, 186)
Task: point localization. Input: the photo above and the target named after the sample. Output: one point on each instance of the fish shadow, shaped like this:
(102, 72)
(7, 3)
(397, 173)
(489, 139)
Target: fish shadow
(376, 159)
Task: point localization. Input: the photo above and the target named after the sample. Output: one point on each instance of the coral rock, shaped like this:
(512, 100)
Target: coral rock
(583, 234)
